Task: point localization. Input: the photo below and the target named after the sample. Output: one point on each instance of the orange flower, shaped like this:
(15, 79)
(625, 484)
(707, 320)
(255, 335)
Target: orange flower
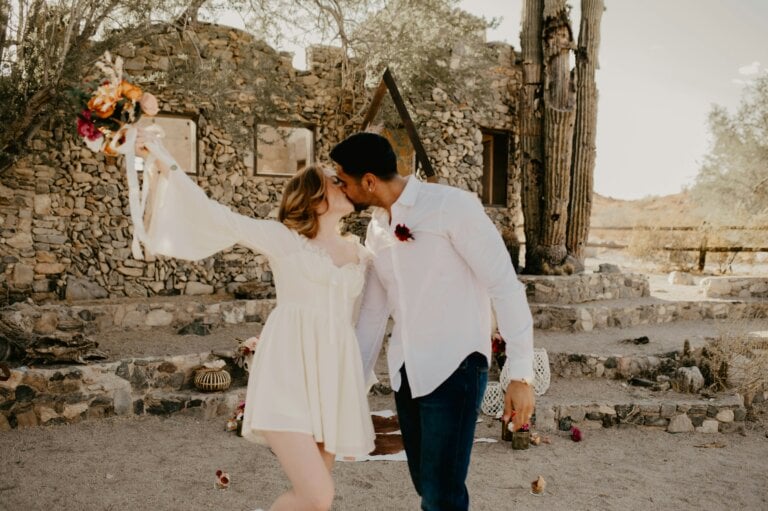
(103, 101)
(102, 106)
(130, 91)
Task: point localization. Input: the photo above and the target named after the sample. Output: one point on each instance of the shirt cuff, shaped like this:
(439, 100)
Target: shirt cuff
(519, 369)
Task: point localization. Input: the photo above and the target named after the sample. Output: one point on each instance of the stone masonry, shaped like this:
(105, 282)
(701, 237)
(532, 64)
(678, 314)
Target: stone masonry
(65, 229)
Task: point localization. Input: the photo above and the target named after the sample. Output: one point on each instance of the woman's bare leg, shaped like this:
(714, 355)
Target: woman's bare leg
(306, 468)
(328, 457)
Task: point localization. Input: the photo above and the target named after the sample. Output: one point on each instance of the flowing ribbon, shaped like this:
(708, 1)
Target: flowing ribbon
(140, 197)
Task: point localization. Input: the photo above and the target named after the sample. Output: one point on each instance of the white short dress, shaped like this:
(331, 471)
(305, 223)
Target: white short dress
(306, 375)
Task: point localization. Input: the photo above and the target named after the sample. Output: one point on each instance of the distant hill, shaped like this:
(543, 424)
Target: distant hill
(666, 210)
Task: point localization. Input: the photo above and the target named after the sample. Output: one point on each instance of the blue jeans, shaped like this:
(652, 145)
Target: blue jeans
(438, 431)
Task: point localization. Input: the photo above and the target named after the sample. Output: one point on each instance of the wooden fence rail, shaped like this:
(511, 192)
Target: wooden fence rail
(703, 247)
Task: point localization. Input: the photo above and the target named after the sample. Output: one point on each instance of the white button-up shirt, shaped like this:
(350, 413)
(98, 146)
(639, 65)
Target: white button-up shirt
(438, 288)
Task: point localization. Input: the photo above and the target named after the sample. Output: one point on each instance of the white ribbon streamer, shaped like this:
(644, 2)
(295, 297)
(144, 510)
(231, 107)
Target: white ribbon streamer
(140, 197)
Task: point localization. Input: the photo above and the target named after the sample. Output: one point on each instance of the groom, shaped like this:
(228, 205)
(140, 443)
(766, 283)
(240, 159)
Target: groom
(439, 265)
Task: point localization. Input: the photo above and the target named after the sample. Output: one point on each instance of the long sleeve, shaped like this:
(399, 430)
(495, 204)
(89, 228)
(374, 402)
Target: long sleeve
(183, 222)
(479, 243)
(372, 322)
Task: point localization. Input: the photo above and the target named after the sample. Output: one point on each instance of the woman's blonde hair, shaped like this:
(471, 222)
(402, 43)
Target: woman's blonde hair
(302, 197)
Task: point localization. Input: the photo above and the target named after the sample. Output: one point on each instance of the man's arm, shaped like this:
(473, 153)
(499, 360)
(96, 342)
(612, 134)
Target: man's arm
(477, 240)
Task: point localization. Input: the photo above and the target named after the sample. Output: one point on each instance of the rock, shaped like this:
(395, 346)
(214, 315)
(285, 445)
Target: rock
(680, 278)
(680, 424)
(123, 400)
(81, 289)
(608, 268)
(708, 426)
(47, 414)
(641, 382)
(158, 317)
(26, 419)
(725, 415)
(49, 268)
(688, 379)
(197, 327)
(46, 323)
(131, 272)
(42, 205)
(715, 287)
(198, 288)
(545, 418)
(23, 276)
(72, 412)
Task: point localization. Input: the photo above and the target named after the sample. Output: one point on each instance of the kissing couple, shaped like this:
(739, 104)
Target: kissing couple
(432, 261)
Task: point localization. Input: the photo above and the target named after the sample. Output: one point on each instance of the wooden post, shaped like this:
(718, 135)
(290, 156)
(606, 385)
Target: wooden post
(388, 84)
(703, 252)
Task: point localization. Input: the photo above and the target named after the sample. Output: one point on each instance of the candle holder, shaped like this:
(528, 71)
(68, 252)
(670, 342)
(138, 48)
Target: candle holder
(506, 434)
(521, 439)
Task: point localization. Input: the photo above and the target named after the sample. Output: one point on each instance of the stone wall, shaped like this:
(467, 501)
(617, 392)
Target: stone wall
(584, 287)
(735, 287)
(64, 215)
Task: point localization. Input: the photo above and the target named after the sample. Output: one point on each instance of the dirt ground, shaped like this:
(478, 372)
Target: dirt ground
(169, 464)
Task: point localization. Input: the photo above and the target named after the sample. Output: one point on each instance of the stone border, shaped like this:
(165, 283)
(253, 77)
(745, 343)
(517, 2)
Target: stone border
(135, 386)
(735, 287)
(571, 289)
(568, 365)
(585, 318)
(724, 415)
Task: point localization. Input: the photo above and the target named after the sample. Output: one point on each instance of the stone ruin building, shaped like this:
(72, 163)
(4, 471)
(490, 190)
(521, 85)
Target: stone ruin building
(65, 229)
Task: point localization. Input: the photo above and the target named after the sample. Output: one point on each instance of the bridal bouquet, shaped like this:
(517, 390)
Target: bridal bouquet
(107, 122)
(108, 106)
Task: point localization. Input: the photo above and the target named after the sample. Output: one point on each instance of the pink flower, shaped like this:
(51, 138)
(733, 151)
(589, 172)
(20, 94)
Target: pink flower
(148, 104)
(86, 128)
(403, 233)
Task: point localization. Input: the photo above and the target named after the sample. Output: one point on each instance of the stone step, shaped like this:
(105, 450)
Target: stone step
(643, 311)
(586, 287)
(619, 353)
(599, 403)
(586, 402)
(134, 386)
(202, 405)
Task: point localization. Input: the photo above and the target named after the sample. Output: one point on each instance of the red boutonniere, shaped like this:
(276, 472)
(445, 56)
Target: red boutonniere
(403, 233)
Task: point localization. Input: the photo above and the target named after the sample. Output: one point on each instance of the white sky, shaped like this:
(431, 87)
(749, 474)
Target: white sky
(663, 64)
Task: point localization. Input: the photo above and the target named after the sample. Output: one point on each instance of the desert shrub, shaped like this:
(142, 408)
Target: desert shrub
(738, 359)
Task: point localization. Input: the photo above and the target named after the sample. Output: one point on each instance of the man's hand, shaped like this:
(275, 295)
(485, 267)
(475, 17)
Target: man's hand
(518, 404)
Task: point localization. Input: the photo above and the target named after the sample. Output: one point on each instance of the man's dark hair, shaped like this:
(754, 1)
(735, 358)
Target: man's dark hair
(364, 152)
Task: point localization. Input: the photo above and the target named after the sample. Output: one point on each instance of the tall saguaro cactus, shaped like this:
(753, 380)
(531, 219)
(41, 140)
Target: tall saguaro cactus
(559, 116)
(583, 165)
(532, 126)
(557, 132)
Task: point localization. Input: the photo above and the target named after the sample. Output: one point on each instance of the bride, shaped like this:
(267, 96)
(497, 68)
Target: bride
(306, 396)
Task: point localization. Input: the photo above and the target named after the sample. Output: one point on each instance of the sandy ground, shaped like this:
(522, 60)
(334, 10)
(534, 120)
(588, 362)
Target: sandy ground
(169, 464)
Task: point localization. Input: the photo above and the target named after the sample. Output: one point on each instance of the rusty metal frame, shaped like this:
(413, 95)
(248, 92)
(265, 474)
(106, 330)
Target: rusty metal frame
(388, 83)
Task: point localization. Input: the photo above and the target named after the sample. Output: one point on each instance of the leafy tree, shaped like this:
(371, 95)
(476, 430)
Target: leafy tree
(732, 185)
(46, 46)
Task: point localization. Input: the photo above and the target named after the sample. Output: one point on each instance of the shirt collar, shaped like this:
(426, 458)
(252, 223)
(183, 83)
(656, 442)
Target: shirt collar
(406, 200)
(409, 193)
